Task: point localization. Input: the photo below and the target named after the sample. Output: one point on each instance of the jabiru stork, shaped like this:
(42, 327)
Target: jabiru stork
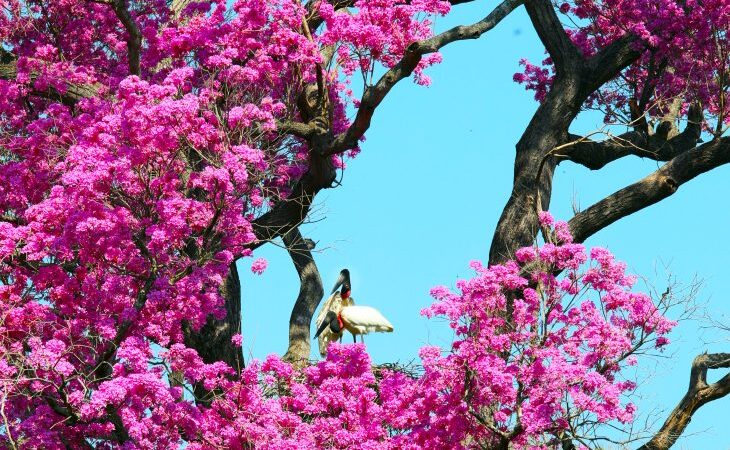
(355, 319)
(336, 301)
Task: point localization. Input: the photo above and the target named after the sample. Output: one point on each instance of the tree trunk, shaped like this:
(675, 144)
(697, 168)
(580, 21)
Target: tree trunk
(213, 340)
(534, 166)
(310, 294)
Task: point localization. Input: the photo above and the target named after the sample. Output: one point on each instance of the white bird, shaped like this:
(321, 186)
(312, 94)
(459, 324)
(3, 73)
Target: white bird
(355, 319)
(336, 301)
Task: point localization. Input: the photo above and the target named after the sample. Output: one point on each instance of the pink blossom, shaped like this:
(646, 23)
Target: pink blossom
(259, 266)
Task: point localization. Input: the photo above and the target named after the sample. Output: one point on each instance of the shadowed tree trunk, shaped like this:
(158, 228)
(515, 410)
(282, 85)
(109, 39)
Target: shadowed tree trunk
(213, 341)
(310, 294)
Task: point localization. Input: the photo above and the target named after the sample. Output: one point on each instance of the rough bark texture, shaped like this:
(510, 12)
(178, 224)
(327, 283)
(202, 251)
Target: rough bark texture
(698, 394)
(535, 160)
(213, 340)
(310, 294)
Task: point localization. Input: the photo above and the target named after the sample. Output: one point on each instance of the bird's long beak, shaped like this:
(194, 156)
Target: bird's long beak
(322, 327)
(328, 320)
(344, 276)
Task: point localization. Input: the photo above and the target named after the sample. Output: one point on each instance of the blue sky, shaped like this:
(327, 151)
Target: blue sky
(424, 196)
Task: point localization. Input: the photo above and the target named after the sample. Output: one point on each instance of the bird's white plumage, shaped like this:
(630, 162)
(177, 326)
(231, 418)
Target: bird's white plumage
(364, 319)
(334, 303)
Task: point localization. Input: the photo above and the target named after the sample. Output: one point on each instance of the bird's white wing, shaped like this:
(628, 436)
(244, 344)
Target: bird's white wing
(365, 318)
(333, 303)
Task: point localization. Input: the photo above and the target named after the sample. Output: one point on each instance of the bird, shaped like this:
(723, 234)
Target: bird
(336, 301)
(355, 319)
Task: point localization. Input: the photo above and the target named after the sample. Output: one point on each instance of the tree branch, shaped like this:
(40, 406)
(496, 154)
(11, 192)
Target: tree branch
(310, 294)
(698, 394)
(73, 93)
(553, 36)
(374, 95)
(655, 187)
(613, 58)
(134, 40)
(299, 129)
(594, 155)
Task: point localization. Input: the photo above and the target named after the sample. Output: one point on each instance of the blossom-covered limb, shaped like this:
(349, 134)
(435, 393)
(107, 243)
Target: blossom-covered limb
(375, 94)
(698, 394)
(72, 93)
(651, 189)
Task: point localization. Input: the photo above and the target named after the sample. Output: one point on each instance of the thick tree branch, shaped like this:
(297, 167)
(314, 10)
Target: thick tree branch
(655, 187)
(594, 155)
(698, 394)
(564, 53)
(604, 65)
(213, 341)
(310, 294)
(134, 38)
(72, 94)
(374, 95)
(299, 129)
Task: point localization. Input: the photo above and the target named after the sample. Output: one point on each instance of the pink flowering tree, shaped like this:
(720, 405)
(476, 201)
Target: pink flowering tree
(145, 146)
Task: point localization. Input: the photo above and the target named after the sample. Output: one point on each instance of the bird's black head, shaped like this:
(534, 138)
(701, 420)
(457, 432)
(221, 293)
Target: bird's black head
(343, 281)
(330, 320)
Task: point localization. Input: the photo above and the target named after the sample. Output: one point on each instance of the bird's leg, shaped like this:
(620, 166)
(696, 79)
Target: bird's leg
(354, 338)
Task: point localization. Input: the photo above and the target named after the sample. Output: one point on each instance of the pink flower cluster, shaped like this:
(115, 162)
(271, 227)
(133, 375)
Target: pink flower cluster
(126, 194)
(533, 351)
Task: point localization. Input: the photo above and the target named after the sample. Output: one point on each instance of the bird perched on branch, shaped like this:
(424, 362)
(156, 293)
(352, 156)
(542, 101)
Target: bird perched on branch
(355, 319)
(339, 313)
(337, 300)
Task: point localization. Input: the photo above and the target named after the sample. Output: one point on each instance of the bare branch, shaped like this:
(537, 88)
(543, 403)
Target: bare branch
(310, 294)
(553, 36)
(298, 129)
(594, 155)
(653, 188)
(604, 65)
(698, 394)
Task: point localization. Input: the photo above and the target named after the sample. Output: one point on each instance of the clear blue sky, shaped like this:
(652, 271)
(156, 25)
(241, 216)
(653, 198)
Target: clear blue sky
(424, 196)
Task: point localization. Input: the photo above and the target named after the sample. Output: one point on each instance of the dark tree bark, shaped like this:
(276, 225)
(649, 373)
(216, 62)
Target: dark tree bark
(310, 294)
(698, 393)
(213, 341)
(576, 78)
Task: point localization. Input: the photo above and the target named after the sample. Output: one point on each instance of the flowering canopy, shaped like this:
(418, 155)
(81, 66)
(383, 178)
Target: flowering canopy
(140, 141)
(683, 48)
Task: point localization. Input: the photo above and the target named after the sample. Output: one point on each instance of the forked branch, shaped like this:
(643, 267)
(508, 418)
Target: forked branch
(660, 146)
(698, 394)
(375, 94)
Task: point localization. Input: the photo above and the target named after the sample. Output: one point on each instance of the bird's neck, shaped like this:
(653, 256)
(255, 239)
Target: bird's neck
(339, 321)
